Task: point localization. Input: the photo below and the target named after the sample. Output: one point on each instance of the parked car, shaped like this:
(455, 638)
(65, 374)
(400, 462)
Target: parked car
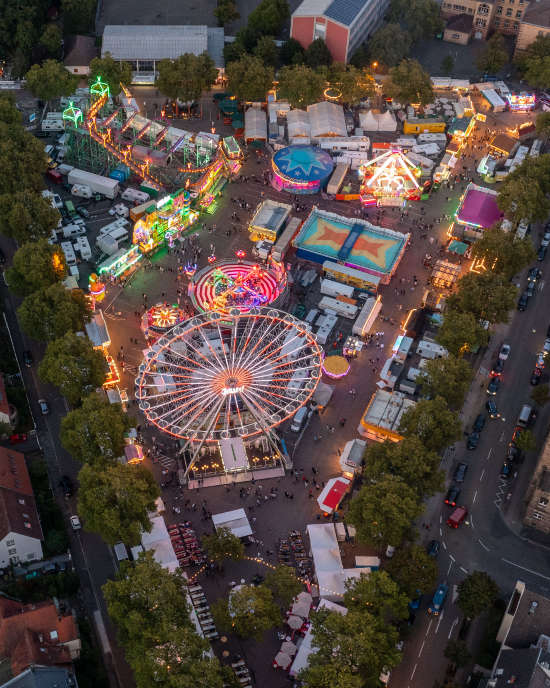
(433, 548)
(493, 386)
(18, 437)
(530, 289)
(452, 495)
(472, 441)
(27, 358)
(506, 470)
(541, 254)
(44, 408)
(479, 422)
(533, 275)
(513, 454)
(496, 370)
(523, 301)
(460, 472)
(492, 409)
(75, 522)
(504, 352)
(438, 600)
(81, 210)
(66, 484)
(536, 376)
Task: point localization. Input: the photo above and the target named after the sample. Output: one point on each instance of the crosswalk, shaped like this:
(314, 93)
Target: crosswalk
(167, 462)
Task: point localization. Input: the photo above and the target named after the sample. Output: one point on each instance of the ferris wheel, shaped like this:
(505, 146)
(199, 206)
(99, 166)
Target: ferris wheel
(217, 377)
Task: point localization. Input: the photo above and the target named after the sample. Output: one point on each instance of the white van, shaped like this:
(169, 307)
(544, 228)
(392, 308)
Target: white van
(121, 553)
(525, 415)
(299, 419)
(52, 125)
(82, 245)
(72, 231)
(130, 194)
(68, 250)
(119, 234)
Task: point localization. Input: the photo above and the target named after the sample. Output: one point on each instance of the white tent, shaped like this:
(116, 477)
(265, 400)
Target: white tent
(327, 119)
(235, 520)
(379, 121)
(387, 121)
(367, 121)
(298, 125)
(158, 540)
(255, 125)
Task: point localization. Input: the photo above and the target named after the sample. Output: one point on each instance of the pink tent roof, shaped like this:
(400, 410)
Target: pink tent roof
(479, 208)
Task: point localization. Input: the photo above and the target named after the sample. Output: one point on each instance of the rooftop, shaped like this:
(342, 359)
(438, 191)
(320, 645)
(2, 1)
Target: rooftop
(37, 676)
(530, 617)
(4, 405)
(479, 207)
(523, 668)
(538, 14)
(79, 51)
(462, 23)
(344, 11)
(13, 472)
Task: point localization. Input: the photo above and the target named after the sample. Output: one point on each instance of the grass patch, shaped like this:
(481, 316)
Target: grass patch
(488, 647)
(53, 525)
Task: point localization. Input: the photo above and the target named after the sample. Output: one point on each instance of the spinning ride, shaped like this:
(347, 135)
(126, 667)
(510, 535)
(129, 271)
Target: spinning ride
(161, 318)
(215, 378)
(242, 286)
(389, 179)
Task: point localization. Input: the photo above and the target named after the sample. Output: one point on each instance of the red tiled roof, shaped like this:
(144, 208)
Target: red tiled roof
(18, 513)
(13, 472)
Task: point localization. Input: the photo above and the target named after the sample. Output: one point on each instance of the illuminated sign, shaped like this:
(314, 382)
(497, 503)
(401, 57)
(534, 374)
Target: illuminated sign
(232, 390)
(164, 201)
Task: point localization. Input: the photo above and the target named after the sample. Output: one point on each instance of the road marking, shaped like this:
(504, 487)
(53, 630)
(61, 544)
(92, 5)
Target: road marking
(489, 454)
(450, 567)
(455, 593)
(535, 573)
(541, 285)
(440, 532)
(451, 558)
(464, 570)
(472, 521)
(441, 518)
(501, 438)
(452, 626)
(439, 620)
(444, 545)
(483, 545)
(482, 475)
(429, 626)
(414, 669)
(421, 648)
(474, 500)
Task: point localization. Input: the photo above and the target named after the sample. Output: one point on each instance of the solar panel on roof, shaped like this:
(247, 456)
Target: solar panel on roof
(344, 11)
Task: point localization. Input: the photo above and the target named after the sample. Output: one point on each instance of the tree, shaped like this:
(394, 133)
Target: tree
(318, 54)
(361, 57)
(26, 216)
(503, 252)
(378, 594)
(354, 84)
(421, 18)
(226, 12)
(494, 55)
(186, 77)
(269, 17)
(223, 545)
(50, 80)
(51, 40)
(19, 31)
(330, 675)
(487, 296)
(432, 422)
(283, 584)
(115, 500)
(447, 64)
(476, 593)
(95, 432)
(249, 79)
(409, 460)
(73, 366)
(267, 51)
(461, 332)
(523, 194)
(233, 52)
(36, 265)
(50, 313)
(413, 570)
(111, 72)
(382, 512)
(410, 83)
(78, 15)
(537, 72)
(291, 52)
(543, 125)
(448, 377)
(300, 85)
(389, 45)
(23, 166)
(249, 611)
(457, 651)
(541, 395)
(9, 114)
(525, 441)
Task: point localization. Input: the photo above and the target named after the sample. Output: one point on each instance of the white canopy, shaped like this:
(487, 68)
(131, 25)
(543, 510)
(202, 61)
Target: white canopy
(377, 121)
(387, 121)
(298, 124)
(255, 125)
(235, 520)
(158, 540)
(327, 119)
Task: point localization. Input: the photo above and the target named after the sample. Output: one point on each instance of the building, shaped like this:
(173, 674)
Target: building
(459, 29)
(477, 211)
(37, 676)
(342, 24)
(7, 411)
(144, 46)
(36, 634)
(537, 513)
(535, 22)
(504, 16)
(79, 52)
(526, 619)
(525, 668)
(20, 531)
(383, 415)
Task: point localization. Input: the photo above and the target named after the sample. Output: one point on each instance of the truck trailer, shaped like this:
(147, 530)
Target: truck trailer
(98, 184)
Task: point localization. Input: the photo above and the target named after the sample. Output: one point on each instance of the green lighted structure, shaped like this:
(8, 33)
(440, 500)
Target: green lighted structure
(73, 115)
(99, 88)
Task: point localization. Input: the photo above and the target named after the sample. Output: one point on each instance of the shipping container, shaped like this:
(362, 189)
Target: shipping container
(331, 288)
(98, 184)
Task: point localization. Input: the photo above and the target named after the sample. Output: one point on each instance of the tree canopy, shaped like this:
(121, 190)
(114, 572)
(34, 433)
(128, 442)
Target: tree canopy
(78, 15)
(410, 83)
(494, 55)
(26, 216)
(317, 54)
(249, 79)
(526, 441)
(51, 40)
(300, 85)
(421, 18)
(461, 332)
(36, 265)
(114, 500)
(95, 432)
(249, 611)
(413, 570)
(432, 422)
(379, 595)
(283, 584)
(543, 125)
(541, 394)
(523, 193)
(226, 12)
(503, 252)
(52, 312)
(447, 377)
(535, 62)
(457, 651)
(23, 166)
(354, 84)
(223, 545)
(269, 17)
(186, 77)
(267, 51)
(390, 44)
(20, 29)
(50, 80)
(73, 366)
(111, 71)
(476, 593)
(487, 296)
(291, 52)
(382, 512)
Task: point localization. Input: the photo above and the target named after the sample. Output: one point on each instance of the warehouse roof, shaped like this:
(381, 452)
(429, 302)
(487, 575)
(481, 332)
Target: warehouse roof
(160, 42)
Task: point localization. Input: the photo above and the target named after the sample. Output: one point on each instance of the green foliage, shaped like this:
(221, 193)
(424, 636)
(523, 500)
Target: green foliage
(51, 516)
(382, 512)
(447, 64)
(487, 296)
(283, 584)
(233, 51)
(526, 441)
(354, 84)
(51, 40)
(413, 570)
(249, 611)
(291, 52)
(433, 423)
(249, 79)
(317, 54)
(9, 114)
(523, 194)
(300, 85)
(541, 395)
(421, 18)
(24, 164)
(494, 55)
(36, 265)
(223, 545)
(503, 252)
(379, 595)
(410, 460)
(535, 62)
(20, 29)
(448, 377)
(89, 667)
(267, 51)
(476, 593)
(26, 216)
(147, 604)
(52, 312)
(73, 366)
(112, 72)
(410, 83)
(269, 17)
(329, 675)
(78, 15)
(457, 651)
(361, 57)
(60, 585)
(389, 45)
(461, 332)
(226, 12)
(114, 500)
(543, 125)
(186, 77)
(50, 80)
(95, 432)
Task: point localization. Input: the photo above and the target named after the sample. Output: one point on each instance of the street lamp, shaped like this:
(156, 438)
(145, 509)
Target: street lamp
(374, 65)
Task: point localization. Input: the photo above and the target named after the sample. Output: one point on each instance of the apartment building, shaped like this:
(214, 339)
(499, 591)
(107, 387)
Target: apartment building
(537, 513)
(503, 16)
(535, 22)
